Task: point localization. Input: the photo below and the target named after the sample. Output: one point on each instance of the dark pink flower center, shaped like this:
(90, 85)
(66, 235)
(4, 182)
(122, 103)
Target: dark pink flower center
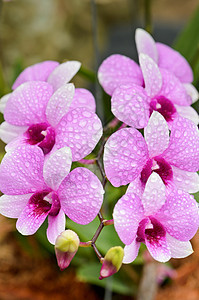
(150, 229)
(42, 135)
(45, 202)
(164, 106)
(160, 166)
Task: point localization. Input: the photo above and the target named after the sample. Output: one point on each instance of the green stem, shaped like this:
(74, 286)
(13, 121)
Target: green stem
(147, 16)
(88, 74)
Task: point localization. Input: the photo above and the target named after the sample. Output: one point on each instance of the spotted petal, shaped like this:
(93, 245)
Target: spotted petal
(37, 72)
(151, 74)
(131, 252)
(183, 149)
(80, 129)
(3, 102)
(118, 69)
(187, 181)
(56, 225)
(192, 92)
(9, 132)
(83, 98)
(153, 197)
(156, 134)
(21, 171)
(12, 205)
(127, 214)
(177, 248)
(173, 61)
(173, 89)
(125, 155)
(27, 104)
(130, 105)
(56, 167)
(63, 73)
(188, 112)
(81, 195)
(146, 44)
(179, 215)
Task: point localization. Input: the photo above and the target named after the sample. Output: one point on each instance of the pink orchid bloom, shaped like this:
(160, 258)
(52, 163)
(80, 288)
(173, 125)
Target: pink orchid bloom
(129, 157)
(165, 222)
(163, 92)
(36, 115)
(35, 188)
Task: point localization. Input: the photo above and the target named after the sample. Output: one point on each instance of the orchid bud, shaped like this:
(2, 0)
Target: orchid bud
(112, 262)
(66, 246)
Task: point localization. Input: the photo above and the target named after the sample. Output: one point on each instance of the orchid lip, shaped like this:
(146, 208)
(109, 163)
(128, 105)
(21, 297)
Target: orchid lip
(41, 134)
(160, 166)
(164, 106)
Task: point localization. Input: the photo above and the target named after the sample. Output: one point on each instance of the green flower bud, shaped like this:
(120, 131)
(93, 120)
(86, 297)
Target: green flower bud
(66, 246)
(112, 262)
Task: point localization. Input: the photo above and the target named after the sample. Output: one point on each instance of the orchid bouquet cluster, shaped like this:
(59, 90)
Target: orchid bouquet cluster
(49, 124)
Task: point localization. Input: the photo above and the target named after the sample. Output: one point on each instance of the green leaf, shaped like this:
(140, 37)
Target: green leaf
(119, 282)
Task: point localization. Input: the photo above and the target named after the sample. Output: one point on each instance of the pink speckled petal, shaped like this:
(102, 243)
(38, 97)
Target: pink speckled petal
(136, 187)
(59, 103)
(81, 195)
(151, 74)
(21, 171)
(80, 129)
(183, 149)
(118, 69)
(173, 61)
(31, 219)
(9, 132)
(187, 181)
(83, 98)
(131, 252)
(188, 112)
(3, 102)
(125, 155)
(173, 89)
(56, 225)
(159, 251)
(177, 248)
(12, 206)
(127, 214)
(130, 105)
(179, 215)
(37, 72)
(20, 140)
(63, 73)
(56, 167)
(27, 104)
(156, 134)
(153, 197)
(192, 92)
(146, 44)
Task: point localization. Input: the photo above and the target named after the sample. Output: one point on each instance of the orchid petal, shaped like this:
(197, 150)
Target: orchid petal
(179, 215)
(27, 104)
(187, 181)
(153, 197)
(9, 132)
(21, 171)
(125, 155)
(192, 92)
(56, 225)
(156, 134)
(188, 112)
(178, 249)
(37, 72)
(56, 167)
(80, 129)
(131, 252)
(11, 206)
(3, 102)
(59, 103)
(130, 105)
(173, 61)
(83, 98)
(127, 214)
(81, 195)
(118, 69)
(63, 73)
(151, 74)
(146, 44)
